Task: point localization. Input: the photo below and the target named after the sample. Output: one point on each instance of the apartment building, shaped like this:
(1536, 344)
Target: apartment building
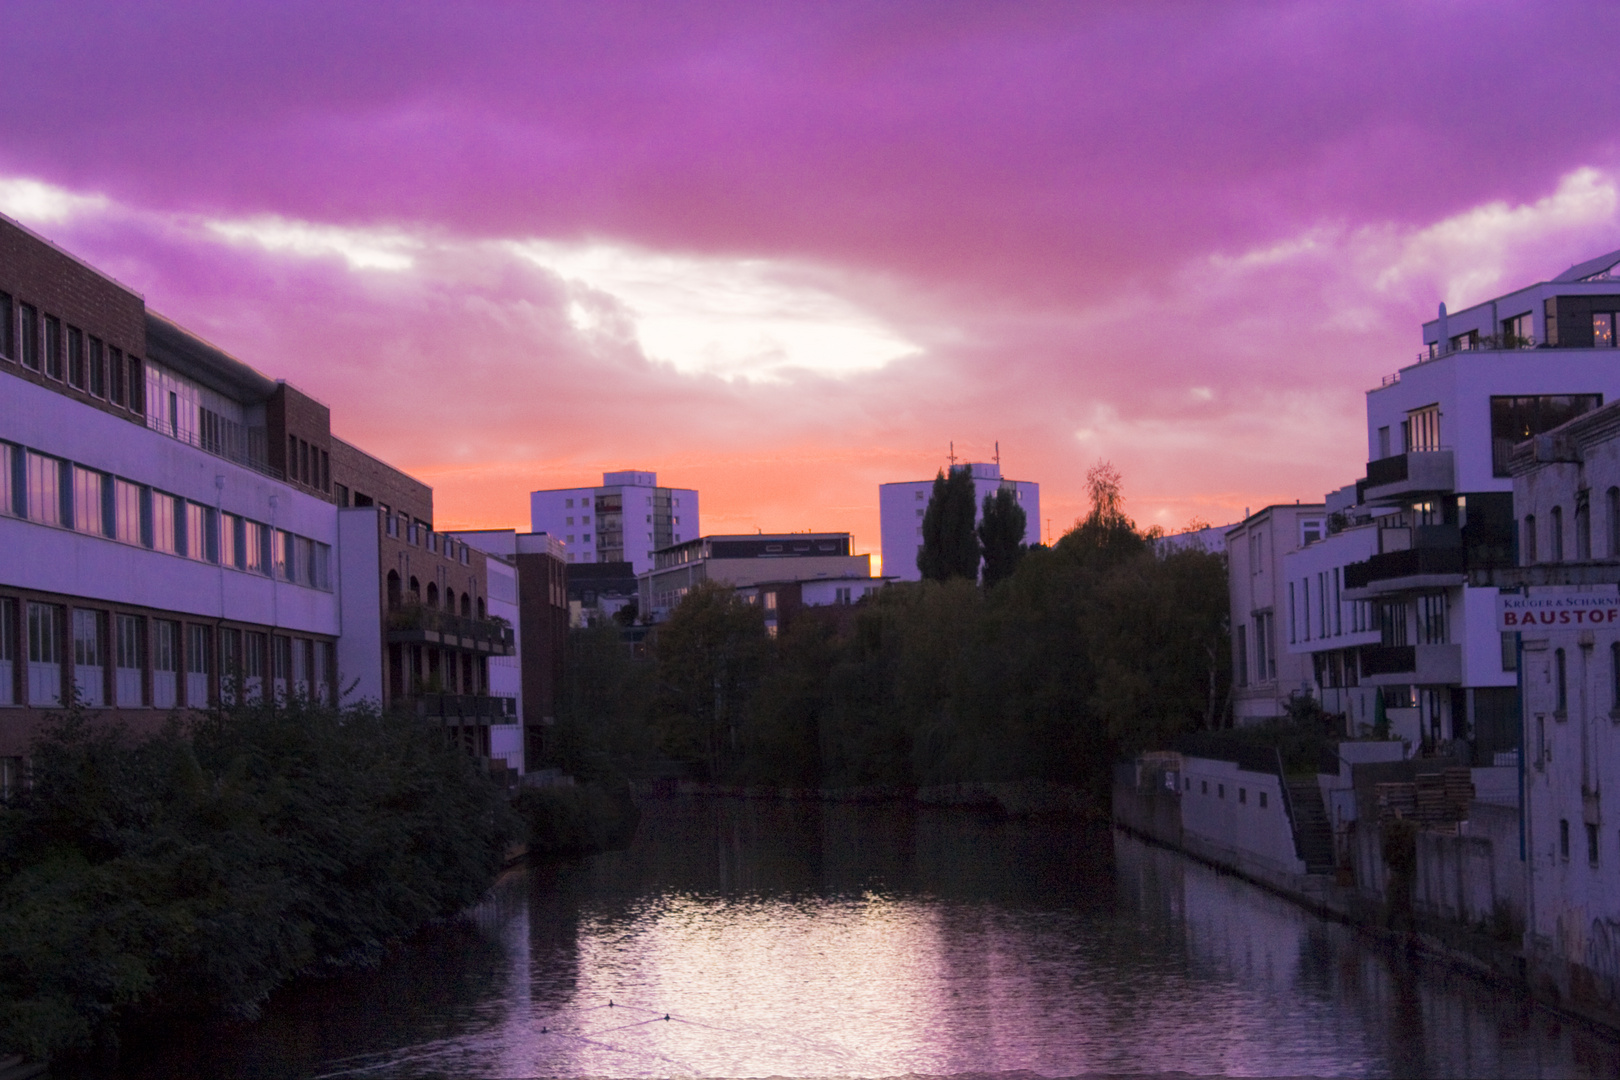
(534, 598)
(1263, 677)
(164, 510)
(750, 560)
(782, 600)
(1563, 614)
(1385, 604)
(901, 506)
(625, 520)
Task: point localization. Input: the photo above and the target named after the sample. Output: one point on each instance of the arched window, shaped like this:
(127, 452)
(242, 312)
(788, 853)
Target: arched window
(466, 605)
(1561, 705)
(1583, 528)
(1555, 550)
(393, 590)
(480, 607)
(1614, 522)
(433, 595)
(416, 591)
(1529, 553)
(450, 601)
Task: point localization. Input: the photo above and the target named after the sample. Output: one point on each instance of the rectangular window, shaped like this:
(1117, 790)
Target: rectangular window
(115, 375)
(8, 325)
(1603, 330)
(341, 496)
(326, 471)
(28, 336)
(253, 645)
(8, 651)
(281, 555)
(198, 651)
(1423, 429)
(1591, 844)
(255, 547)
(131, 660)
(1510, 652)
(1432, 610)
(200, 543)
(75, 358)
(44, 655)
(96, 359)
(391, 523)
(137, 387)
(1515, 419)
(53, 347)
(230, 540)
(304, 561)
(165, 664)
(43, 482)
(300, 667)
(230, 665)
(1293, 636)
(280, 664)
(323, 566)
(9, 455)
(87, 501)
(89, 657)
(165, 536)
(127, 511)
(323, 675)
(1240, 663)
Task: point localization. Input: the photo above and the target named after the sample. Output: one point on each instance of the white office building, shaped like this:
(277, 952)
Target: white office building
(626, 519)
(901, 506)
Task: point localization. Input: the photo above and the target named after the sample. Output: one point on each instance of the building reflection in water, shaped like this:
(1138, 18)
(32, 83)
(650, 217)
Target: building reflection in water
(798, 939)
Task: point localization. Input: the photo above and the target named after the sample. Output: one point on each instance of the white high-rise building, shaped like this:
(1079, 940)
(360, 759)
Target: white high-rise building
(901, 507)
(626, 519)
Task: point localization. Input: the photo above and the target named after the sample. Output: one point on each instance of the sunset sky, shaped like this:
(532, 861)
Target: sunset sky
(785, 253)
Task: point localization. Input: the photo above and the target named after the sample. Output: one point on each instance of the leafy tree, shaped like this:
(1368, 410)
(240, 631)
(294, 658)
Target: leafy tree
(950, 545)
(1001, 535)
(709, 657)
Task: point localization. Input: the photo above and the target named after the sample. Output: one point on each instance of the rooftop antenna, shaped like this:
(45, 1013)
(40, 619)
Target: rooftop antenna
(998, 453)
(953, 453)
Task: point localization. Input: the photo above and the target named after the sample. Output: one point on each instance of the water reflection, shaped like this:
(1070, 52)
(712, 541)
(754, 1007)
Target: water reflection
(801, 940)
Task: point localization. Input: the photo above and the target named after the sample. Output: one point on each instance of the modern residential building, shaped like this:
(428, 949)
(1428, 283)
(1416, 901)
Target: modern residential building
(901, 507)
(534, 599)
(1263, 677)
(182, 530)
(1564, 615)
(625, 520)
(1210, 539)
(1383, 603)
(750, 559)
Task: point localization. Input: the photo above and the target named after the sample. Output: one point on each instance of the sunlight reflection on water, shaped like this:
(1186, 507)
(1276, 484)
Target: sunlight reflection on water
(800, 940)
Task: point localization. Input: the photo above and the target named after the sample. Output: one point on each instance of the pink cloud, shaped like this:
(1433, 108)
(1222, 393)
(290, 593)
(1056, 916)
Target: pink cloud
(1158, 233)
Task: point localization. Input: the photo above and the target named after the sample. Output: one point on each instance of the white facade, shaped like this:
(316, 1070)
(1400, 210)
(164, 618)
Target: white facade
(1390, 605)
(1236, 816)
(901, 506)
(1264, 671)
(626, 519)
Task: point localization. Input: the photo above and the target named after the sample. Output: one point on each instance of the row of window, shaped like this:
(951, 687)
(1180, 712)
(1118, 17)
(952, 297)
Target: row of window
(1555, 549)
(308, 465)
(420, 534)
(1561, 681)
(1220, 792)
(109, 658)
(1592, 842)
(52, 491)
(42, 343)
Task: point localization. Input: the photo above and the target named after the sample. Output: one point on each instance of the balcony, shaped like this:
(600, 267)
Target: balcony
(1419, 472)
(416, 623)
(1418, 567)
(1422, 665)
(467, 708)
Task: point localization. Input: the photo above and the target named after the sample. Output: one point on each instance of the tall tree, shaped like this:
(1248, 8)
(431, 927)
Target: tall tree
(950, 546)
(1001, 535)
(709, 657)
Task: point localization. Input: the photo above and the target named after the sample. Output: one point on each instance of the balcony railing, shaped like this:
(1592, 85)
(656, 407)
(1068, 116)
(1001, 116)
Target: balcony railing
(418, 622)
(1388, 659)
(1409, 563)
(470, 707)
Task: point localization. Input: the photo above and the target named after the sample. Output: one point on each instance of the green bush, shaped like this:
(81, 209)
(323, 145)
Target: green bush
(199, 869)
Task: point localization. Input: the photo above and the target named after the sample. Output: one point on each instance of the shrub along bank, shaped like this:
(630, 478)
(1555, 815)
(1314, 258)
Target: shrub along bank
(197, 870)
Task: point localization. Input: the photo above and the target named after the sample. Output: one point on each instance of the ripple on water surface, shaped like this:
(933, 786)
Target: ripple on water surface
(749, 938)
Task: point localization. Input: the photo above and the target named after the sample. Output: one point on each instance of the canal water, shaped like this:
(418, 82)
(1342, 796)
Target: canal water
(752, 938)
